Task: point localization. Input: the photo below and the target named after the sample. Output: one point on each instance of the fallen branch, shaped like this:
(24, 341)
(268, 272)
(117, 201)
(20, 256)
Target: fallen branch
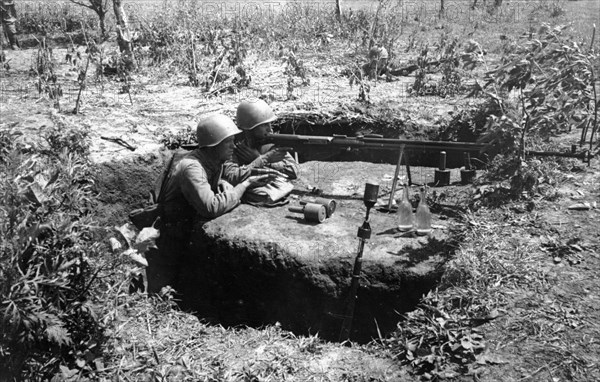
(405, 71)
(120, 142)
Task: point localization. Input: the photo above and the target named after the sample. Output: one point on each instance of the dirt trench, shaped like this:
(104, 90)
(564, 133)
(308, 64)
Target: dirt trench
(261, 266)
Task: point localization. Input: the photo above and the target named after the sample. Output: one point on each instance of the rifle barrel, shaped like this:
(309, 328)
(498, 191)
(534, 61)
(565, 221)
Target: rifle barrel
(584, 155)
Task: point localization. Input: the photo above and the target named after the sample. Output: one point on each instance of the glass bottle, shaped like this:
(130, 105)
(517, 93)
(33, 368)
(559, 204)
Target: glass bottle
(423, 215)
(405, 212)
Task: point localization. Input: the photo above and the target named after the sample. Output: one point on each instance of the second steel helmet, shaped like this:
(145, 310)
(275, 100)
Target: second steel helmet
(253, 113)
(214, 129)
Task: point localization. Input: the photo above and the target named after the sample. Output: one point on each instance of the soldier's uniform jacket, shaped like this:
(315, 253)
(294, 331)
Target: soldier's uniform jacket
(235, 171)
(195, 187)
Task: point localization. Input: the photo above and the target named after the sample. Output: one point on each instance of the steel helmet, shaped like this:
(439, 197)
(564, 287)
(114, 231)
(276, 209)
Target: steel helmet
(253, 113)
(214, 129)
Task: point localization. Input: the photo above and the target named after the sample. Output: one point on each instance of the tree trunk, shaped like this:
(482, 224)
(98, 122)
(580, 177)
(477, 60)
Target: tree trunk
(123, 35)
(102, 17)
(338, 10)
(441, 14)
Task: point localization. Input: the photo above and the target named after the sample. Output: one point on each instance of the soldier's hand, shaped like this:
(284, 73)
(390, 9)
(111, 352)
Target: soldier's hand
(246, 154)
(258, 180)
(224, 186)
(275, 154)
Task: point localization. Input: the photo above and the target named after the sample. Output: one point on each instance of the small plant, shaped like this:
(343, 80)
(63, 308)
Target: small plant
(422, 86)
(294, 68)
(357, 77)
(238, 49)
(451, 82)
(43, 67)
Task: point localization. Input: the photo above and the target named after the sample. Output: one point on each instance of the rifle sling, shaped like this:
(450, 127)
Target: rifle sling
(166, 177)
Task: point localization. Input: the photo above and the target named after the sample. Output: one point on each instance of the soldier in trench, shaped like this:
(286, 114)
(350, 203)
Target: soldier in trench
(8, 17)
(255, 118)
(195, 191)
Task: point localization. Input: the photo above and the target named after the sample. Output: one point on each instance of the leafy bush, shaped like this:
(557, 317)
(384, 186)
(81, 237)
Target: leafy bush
(444, 58)
(48, 319)
(542, 87)
(468, 123)
(62, 136)
(552, 79)
(437, 340)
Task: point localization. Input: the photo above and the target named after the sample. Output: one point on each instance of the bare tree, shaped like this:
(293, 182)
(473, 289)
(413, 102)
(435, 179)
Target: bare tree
(100, 7)
(123, 34)
(338, 10)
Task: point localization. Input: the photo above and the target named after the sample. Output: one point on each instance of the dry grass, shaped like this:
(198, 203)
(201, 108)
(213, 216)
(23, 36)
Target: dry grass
(525, 281)
(149, 340)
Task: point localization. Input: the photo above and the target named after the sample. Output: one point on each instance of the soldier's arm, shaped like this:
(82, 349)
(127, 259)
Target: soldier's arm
(197, 191)
(234, 172)
(287, 166)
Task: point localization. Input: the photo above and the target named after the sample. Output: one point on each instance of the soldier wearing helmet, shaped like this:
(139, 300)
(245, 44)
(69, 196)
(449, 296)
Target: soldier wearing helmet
(195, 190)
(254, 117)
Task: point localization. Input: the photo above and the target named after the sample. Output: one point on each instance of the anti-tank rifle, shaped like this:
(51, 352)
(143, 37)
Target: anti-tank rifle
(377, 142)
(343, 142)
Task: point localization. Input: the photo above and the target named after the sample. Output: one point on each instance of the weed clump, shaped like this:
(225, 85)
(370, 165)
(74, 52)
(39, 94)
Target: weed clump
(49, 320)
